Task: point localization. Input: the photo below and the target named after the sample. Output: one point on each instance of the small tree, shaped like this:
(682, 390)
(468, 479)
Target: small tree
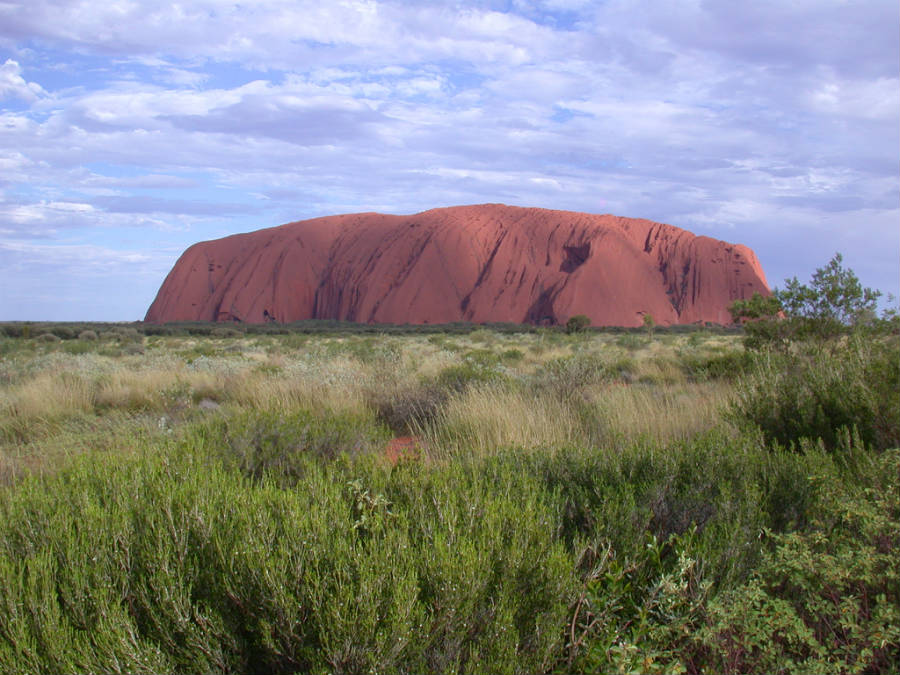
(763, 319)
(833, 303)
(649, 324)
(577, 323)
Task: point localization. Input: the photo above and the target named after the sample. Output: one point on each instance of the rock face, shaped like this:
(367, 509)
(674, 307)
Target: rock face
(481, 263)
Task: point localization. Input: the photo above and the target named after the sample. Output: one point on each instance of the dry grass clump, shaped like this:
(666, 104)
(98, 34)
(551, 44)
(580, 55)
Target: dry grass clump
(137, 390)
(489, 417)
(35, 407)
(664, 413)
(661, 368)
(336, 388)
(48, 396)
(44, 446)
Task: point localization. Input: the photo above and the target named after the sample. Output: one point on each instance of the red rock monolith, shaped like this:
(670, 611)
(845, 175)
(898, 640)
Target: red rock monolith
(485, 263)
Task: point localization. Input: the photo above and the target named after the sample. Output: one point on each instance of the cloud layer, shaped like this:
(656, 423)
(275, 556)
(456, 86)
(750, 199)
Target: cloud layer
(131, 130)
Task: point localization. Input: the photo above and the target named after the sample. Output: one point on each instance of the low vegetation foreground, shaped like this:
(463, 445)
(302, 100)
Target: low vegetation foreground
(481, 501)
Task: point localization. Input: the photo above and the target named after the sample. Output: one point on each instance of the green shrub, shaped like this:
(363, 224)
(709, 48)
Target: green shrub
(16, 330)
(636, 615)
(622, 495)
(457, 378)
(826, 599)
(816, 393)
(822, 599)
(512, 355)
(78, 347)
(280, 446)
(577, 323)
(201, 349)
(697, 337)
(373, 350)
(170, 563)
(728, 365)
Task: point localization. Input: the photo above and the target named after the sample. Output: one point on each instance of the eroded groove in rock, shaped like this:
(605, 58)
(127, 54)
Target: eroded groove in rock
(479, 263)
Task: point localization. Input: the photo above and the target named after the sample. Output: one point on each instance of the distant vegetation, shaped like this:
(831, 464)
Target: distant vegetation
(71, 331)
(209, 498)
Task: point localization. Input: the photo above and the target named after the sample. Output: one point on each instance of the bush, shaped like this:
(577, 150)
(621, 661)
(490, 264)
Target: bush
(824, 599)
(577, 323)
(636, 615)
(729, 365)
(133, 348)
(78, 347)
(817, 393)
(565, 375)
(280, 446)
(48, 337)
(170, 563)
(631, 341)
(406, 409)
(512, 355)
(225, 332)
(63, 332)
(125, 334)
(458, 378)
(87, 335)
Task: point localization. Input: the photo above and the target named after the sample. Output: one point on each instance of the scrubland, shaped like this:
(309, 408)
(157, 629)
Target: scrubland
(593, 502)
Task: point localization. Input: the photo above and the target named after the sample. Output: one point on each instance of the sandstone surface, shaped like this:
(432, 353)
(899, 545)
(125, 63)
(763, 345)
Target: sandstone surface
(484, 263)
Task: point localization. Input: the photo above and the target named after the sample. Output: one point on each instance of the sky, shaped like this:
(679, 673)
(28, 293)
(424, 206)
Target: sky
(131, 129)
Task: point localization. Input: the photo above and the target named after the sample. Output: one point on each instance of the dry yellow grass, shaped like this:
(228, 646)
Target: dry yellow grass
(284, 394)
(485, 418)
(667, 412)
(47, 397)
(136, 390)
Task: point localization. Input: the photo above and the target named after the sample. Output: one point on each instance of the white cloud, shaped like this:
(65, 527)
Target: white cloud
(877, 99)
(79, 255)
(13, 85)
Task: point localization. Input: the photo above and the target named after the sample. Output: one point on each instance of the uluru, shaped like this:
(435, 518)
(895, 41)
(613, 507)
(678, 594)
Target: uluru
(480, 264)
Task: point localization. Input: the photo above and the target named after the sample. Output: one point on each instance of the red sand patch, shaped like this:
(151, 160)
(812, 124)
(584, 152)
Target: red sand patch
(403, 447)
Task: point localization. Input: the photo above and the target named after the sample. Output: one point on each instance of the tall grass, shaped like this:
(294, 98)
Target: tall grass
(664, 413)
(484, 418)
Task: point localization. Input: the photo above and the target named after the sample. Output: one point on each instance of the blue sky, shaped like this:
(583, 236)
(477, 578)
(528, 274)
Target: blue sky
(130, 129)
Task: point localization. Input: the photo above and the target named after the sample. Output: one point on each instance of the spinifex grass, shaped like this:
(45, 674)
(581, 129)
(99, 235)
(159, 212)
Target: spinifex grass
(409, 381)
